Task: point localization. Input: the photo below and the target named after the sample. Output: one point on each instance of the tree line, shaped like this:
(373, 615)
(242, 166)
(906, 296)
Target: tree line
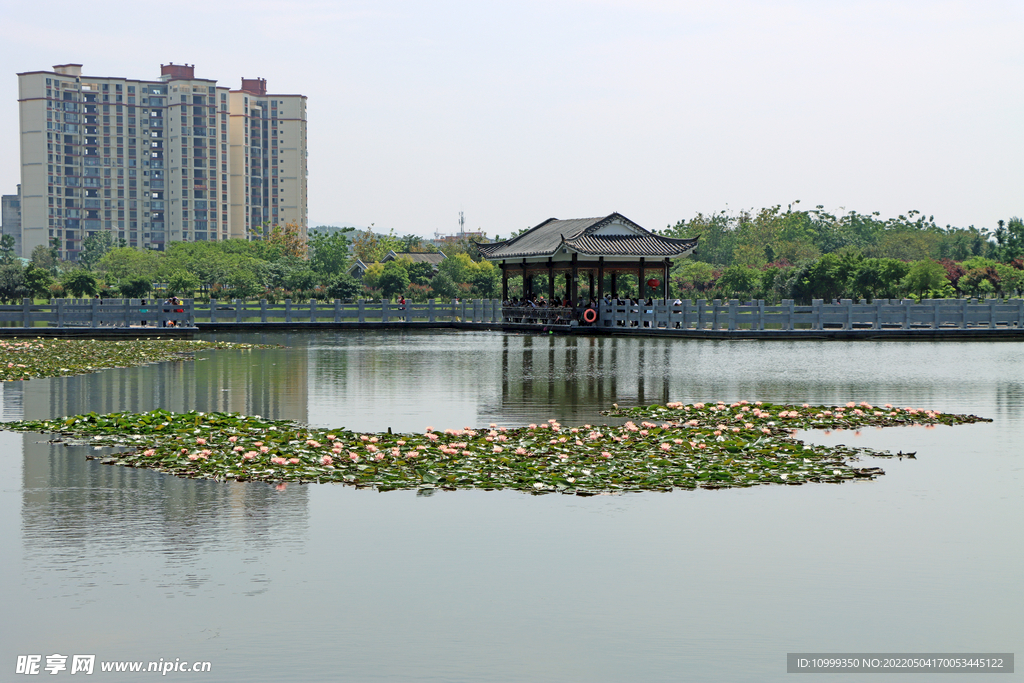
(281, 265)
(776, 254)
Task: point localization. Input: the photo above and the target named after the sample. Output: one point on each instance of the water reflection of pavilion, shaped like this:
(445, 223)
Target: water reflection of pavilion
(577, 372)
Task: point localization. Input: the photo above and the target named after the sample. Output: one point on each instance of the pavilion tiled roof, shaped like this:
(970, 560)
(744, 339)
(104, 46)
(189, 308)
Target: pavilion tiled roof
(579, 235)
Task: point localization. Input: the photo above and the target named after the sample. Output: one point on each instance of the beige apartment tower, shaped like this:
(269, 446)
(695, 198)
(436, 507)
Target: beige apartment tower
(152, 162)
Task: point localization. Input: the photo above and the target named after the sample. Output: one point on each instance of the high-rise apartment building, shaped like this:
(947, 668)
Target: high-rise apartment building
(151, 162)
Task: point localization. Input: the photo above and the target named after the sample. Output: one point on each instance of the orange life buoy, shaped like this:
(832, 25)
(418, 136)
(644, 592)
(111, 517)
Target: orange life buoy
(590, 315)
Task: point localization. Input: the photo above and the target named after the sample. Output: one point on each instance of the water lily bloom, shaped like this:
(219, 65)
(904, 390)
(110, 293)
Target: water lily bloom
(666, 446)
(749, 425)
(294, 461)
(643, 432)
(264, 449)
(201, 442)
(520, 451)
(717, 432)
(701, 445)
(353, 457)
(364, 437)
(232, 439)
(432, 436)
(428, 430)
(766, 430)
(314, 444)
(331, 437)
(149, 452)
(532, 427)
(193, 456)
(578, 442)
(400, 442)
(326, 460)
(258, 443)
(735, 429)
(497, 449)
(251, 455)
(605, 454)
(677, 441)
(371, 448)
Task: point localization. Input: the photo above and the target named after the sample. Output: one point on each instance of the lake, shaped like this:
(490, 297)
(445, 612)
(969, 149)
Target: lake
(325, 582)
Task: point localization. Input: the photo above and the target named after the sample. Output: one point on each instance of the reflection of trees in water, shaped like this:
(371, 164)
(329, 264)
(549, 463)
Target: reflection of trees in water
(74, 508)
(1009, 398)
(270, 382)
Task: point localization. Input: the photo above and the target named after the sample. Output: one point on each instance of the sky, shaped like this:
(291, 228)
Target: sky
(515, 112)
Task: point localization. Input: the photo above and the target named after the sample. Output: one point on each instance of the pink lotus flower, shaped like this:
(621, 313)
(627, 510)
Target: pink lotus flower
(605, 454)
(251, 455)
(578, 442)
(258, 443)
(364, 437)
(466, 453)
(294, 461)
(717, 432)
(677, 442)
(701, 445)
(666, 447)
(432, 437)
(400, 442)
(193, 456)
(371, 448)
(520, 451)
(735, 429)
(532, 427)
(374, 439)
(331, 437)
(232, 439)
(326, 460)
(353, 457)
(312, 443)
(238, 449)
(643, 432)
(201, 442)
(264, 449)
(149, 452)
(748, 425)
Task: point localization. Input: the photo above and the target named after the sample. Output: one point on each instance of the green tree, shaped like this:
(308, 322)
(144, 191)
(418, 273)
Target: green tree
(94, 247)
(443, 285)
(137, 287)
(486, 280)
(121, 263)
(43, 257)
(80, 283)
(182, 283)
(394, 280)
(12, 283)
(739, 281)
(37, 281)
(373, 273)
(369, 247)
(1010, 238)
(6, 248)
(924, 275)
(344, 286)
(329, 252)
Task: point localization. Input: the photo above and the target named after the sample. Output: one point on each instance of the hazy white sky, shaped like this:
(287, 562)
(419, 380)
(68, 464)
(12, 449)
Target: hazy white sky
(514, 112)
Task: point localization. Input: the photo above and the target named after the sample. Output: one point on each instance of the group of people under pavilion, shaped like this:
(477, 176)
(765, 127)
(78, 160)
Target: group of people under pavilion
(611, 245)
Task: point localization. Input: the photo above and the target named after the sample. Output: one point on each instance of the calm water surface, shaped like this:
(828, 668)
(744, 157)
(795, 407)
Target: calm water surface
(319, 583)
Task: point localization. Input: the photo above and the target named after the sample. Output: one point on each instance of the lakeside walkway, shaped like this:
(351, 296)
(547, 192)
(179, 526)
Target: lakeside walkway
(930, 320)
